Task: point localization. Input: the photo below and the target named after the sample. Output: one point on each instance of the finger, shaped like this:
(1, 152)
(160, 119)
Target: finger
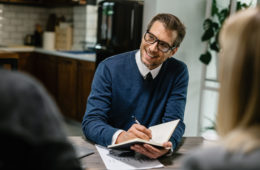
(142, 150)
(125, 136)
(152, 149)
(141, 131)
(150, 153)
(129, 136)
(155, 151)
(167, 144)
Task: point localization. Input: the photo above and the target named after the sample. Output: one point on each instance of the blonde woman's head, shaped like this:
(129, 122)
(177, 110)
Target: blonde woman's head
(239, 100)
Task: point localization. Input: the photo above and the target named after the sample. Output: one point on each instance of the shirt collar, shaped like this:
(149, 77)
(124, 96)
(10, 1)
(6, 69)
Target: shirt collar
(143, 69)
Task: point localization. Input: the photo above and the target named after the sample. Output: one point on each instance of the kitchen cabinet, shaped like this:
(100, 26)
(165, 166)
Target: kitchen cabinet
(67, 86)
(74, 79)
(40, 66)
(50, 3)
(8, 60)
(45, 71)
(65, 2)
(26, 62)
(85, 76)
(29, 2)
(67, 80)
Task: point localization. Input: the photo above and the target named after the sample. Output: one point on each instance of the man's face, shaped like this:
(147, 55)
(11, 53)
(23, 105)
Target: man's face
(151, 56)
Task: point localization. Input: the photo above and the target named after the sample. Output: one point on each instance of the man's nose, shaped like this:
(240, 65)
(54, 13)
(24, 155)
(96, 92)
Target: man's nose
(154, 47)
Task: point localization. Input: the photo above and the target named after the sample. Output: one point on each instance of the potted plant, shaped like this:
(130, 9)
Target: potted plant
(212, 27)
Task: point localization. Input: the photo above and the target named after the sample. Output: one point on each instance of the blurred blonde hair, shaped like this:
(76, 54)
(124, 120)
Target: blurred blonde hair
(238, 117)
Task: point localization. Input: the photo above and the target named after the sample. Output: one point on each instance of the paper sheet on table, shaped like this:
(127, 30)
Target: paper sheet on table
(114, 162)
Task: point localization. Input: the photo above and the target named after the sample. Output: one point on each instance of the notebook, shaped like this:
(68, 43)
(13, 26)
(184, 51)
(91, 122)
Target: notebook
(160, 133)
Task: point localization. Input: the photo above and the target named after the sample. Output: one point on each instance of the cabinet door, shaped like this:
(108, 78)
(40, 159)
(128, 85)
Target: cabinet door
(32, 2)
(26, 62)
(67, 86)
(65, 2)
(45, 71)
(86, 72)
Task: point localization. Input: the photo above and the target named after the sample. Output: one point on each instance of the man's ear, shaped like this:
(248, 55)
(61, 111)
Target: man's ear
(174, 51)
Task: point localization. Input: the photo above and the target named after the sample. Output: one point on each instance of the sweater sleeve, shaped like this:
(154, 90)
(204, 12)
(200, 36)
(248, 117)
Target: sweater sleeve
(95, 123)
(175, 105)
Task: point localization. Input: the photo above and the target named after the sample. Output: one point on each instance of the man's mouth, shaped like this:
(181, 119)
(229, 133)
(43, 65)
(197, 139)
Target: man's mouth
(149, 54)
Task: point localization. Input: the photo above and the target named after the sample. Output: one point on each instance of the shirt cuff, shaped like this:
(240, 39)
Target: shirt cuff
(170, 152)
(116, 134)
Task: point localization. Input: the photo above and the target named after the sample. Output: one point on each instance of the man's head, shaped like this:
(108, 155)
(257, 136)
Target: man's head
(164, 35)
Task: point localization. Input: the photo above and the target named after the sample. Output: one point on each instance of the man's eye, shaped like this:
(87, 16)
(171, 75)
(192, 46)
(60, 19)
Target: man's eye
(164, 45)
(151, 37)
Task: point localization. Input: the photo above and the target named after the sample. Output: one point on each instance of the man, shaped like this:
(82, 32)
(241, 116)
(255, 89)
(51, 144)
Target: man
(147, 84)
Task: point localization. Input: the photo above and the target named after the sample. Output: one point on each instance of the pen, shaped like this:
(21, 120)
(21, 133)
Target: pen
(136, 121)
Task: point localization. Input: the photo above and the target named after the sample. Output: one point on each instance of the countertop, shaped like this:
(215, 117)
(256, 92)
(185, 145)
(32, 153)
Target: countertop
(87, 56)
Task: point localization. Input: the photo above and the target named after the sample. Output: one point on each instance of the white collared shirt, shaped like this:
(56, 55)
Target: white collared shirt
(143, 69)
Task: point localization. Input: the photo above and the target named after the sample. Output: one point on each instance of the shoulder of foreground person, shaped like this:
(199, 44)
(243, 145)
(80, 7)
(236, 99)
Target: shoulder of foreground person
(218, 158)
(31, 124)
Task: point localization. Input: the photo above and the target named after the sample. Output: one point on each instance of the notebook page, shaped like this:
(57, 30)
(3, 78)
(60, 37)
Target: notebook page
(161, 133)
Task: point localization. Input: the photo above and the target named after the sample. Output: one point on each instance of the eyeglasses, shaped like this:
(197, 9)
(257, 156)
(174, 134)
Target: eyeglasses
(162, 46)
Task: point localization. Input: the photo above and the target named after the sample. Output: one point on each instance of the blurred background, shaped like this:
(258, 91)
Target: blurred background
(60, 42)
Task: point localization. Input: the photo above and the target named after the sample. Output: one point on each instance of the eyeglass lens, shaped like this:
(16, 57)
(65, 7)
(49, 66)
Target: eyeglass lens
(162, 46)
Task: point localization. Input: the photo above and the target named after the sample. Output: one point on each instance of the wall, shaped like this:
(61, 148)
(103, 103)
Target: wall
(16, 21)
(209, 100)
(85, 26)
(192, 14)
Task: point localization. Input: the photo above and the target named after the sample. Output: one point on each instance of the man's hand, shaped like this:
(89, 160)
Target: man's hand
(151, 151)
(136, 131)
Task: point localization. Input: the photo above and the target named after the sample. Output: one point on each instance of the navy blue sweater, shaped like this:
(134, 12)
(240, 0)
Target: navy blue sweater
(119, 92)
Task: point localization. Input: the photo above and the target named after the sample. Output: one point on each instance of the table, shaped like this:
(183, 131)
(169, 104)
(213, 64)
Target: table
(94, 161)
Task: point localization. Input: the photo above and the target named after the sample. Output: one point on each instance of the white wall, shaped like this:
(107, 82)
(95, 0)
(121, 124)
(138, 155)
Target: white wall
(192, 14)
(18, 20)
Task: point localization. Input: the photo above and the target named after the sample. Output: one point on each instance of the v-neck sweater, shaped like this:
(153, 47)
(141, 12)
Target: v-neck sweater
(119, 92)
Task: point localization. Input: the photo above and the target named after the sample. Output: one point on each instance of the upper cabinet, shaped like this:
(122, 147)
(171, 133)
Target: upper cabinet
(49, 2)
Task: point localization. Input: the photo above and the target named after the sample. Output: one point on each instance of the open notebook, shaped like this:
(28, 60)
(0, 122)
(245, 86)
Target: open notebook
(160, 133)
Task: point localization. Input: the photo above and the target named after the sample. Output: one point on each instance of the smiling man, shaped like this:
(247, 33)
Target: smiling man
(147, 84)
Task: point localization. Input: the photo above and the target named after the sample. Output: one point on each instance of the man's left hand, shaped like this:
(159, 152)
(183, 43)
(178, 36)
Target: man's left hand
(151, 151)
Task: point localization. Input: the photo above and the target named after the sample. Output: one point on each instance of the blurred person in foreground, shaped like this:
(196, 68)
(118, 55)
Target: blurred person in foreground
(31, 128)
(238, 118)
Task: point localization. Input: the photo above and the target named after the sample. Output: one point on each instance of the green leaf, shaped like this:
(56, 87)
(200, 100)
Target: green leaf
(214, 9)
(223, 15)
(205, 58)
(207, 24)
(215, 26)
(214, 46)
(207, 35)
(242, 5)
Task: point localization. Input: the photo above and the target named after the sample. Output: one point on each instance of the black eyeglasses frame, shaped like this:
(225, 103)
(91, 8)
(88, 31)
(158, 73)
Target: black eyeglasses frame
(158, 41)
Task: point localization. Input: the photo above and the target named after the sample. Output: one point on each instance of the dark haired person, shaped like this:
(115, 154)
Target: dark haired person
(148, 84)
(31, 128)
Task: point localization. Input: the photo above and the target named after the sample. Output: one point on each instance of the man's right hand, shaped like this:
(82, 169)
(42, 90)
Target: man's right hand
(136, 131)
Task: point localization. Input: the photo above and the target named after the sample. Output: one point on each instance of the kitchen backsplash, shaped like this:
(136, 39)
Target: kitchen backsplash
(85, 25)
(18, 21)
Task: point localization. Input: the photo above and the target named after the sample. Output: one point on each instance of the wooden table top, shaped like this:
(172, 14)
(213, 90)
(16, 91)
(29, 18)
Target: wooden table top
(94, 161)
